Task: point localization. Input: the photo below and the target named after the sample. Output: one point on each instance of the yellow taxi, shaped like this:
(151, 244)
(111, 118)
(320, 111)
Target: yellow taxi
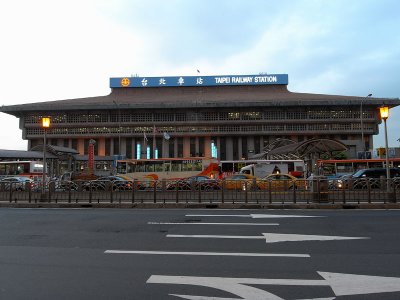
(282, 182)
(241, 182)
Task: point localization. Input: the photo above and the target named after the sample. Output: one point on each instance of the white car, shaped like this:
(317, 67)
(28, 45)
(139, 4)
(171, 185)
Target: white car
(17, 183)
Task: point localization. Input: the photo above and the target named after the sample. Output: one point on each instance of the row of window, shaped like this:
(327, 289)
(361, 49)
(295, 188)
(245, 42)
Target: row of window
(236, 147)
(200, 129)
(129, 117)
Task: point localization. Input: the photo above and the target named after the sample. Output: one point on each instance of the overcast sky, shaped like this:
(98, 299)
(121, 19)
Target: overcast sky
(54, 50)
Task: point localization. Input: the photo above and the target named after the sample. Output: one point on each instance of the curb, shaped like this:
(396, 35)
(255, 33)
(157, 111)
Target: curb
(321, 206)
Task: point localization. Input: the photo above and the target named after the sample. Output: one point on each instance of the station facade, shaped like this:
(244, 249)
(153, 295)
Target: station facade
(231, 117)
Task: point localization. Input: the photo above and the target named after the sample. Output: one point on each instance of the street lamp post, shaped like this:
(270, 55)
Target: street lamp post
(362, 125)
(119, 127)
(45, 125)
(384, 112)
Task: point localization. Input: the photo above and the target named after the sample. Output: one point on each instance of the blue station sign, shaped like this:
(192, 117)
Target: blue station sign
(143, 82)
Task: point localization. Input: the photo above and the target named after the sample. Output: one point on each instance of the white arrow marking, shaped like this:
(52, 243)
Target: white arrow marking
(230, 285)
(206, 253)
(264, 216)
(201, 223)
(341, 284)
(258, 216)
(272, 237)
(329, 298)
(189, 297)
(352, 284)
(279, 237)
(205, 236)
(238, 216)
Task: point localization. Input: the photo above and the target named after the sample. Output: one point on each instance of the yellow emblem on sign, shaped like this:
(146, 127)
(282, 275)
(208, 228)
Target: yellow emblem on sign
(125, 82)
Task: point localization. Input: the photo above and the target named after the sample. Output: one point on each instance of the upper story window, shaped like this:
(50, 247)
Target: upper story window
(254, 115)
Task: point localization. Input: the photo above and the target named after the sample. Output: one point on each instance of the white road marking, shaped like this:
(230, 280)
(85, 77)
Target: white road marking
(280, 237)
(353, 284)
(329, 298)
(341, 284)
(258, 216)
(201, 223)
(271, 237)
(251, 237)
(235, 286)
(201, 297)
(207, 253)
(242, 216)
(189, 297)
(264, 216)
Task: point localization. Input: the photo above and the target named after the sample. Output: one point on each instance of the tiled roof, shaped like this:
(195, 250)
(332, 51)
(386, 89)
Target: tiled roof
(20, 154)
(187, 97)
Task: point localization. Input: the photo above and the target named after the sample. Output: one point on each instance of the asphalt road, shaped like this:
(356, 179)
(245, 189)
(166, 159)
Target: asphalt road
(199, 254)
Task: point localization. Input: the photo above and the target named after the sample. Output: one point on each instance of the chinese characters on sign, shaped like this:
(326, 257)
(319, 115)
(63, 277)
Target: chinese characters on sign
(198, 80)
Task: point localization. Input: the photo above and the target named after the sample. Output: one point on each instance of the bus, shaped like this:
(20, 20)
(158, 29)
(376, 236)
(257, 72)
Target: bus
(333, 167)
(293, 167)
(167, 168)
(27, 168)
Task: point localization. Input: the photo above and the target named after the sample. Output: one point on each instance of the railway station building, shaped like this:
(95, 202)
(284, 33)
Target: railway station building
(230, 117)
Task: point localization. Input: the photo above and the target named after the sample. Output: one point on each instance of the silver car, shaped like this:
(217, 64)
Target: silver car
(17, 183)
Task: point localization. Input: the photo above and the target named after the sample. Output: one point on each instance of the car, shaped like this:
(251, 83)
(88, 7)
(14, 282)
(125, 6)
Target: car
(241, 181)
(332, 180)
(16, 183)
(109, 182)
(364, 178)
(338, 182)
(283, 182)
(199, 182)
(66, 185)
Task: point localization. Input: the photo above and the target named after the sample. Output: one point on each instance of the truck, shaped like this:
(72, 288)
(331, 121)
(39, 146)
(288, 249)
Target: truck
(263, 169)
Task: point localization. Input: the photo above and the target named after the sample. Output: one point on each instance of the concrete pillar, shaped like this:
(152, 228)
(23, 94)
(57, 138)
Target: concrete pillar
(207, 146)
(123, 146)
(111, 146)
(186, 146)
(250, 145)
(240, 153)
(165, 148)
(81, 146)
(101, 146)
(175, 147)
(229, 148)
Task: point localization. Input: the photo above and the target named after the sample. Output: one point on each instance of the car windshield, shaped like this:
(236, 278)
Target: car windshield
(237, 177)
(358, 173)
(103, 178)
(202, 178)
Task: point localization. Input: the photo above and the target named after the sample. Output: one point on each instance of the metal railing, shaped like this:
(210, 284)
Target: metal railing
(301, 191)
